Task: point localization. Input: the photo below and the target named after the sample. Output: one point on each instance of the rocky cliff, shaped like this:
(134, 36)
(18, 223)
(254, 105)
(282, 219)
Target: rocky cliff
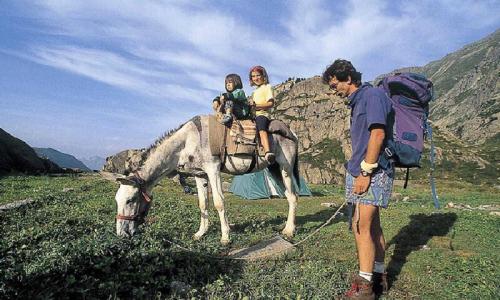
(464, 114)
(321, 121)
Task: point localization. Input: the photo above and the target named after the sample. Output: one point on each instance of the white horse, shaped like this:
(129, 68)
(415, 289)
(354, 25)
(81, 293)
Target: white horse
(188, 149)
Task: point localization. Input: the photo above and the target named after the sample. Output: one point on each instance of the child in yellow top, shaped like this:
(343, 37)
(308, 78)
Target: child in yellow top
(263, 100)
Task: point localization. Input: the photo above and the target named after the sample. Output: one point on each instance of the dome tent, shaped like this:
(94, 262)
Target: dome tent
(260, 185)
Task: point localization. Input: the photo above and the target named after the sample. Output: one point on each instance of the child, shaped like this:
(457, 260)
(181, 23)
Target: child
(234, 102)
(263, 100)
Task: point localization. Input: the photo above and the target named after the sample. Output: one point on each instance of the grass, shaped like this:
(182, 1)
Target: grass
(63, 245)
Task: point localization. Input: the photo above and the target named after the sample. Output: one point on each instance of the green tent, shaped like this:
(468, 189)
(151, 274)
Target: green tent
(261, 184)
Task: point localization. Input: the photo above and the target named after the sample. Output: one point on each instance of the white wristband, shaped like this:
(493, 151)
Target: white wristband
(368, 168)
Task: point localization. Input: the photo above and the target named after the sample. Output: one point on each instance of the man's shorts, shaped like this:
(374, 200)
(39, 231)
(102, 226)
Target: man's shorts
(262, 123)
(378, 193)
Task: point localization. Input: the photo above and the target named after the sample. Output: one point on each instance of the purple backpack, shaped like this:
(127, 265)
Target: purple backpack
(410, 95)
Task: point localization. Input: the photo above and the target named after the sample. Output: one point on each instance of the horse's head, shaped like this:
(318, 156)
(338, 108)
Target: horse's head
(132, 200)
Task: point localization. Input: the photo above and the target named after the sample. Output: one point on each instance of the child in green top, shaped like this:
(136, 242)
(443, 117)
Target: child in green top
(234, 102)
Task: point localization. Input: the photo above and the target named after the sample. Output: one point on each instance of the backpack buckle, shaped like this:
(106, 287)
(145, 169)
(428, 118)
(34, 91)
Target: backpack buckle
(388, 152)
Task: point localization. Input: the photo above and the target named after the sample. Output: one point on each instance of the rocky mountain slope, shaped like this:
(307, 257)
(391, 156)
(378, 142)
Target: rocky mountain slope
(464, 115)
(61, 159)
(17, 156)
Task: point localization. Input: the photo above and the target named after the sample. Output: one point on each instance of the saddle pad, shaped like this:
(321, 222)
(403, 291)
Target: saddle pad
(245, 129)
(216, 138)
(215, 135)
(241, 138)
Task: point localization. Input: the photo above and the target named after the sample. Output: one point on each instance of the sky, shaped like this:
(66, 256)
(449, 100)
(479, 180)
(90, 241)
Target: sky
(98, 77)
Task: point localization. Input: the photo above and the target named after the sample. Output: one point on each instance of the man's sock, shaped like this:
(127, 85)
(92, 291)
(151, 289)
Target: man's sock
(366, 275)
(379, 267)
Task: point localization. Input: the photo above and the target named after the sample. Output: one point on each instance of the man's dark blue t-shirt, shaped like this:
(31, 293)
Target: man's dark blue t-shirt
(369, 106)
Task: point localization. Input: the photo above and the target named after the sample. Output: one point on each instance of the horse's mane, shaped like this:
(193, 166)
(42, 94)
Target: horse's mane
(164, 137)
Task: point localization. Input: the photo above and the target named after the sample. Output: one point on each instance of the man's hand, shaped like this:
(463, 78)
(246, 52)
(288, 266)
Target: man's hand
(361, 184)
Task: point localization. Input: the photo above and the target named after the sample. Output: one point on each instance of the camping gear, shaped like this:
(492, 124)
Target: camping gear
(410, 95)
(261, 185)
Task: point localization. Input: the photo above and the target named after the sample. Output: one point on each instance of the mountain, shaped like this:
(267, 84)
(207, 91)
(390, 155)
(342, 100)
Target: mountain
(94, 162)
(17, 156)
(464, 115)
(62, 159)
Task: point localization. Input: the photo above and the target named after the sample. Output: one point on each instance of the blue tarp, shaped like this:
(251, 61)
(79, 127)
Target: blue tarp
(261, 185)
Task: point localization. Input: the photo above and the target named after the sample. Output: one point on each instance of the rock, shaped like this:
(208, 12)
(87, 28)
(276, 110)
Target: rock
(495, 213)
(328, 204)
(450, 205)
(65, 190)
(406, 199)
(124, 162)
(396, 196)
(15, 204)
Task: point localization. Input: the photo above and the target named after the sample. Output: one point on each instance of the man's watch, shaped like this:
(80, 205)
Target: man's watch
(364, 173)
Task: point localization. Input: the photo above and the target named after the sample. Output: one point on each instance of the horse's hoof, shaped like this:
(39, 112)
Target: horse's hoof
(225, 242)
(197, 236)
(287, 233)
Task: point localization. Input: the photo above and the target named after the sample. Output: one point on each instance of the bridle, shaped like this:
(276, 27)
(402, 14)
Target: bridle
(145, 198)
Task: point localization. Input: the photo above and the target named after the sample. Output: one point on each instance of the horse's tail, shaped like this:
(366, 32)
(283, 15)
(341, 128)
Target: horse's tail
(275, 169)
(296, 173)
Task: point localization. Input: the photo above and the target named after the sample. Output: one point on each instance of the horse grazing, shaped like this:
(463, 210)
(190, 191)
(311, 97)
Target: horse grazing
(187, 149)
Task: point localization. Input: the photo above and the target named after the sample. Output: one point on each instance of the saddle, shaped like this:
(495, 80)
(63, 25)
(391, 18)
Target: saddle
(239, 139)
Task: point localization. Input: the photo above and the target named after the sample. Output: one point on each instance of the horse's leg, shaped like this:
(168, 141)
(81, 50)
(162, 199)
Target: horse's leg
(202, 187)
(291, 196)
(218, 196)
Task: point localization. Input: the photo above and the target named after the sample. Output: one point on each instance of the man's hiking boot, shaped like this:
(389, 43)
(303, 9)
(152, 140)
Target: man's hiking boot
(361, 289)
(380, 283)
(270, 157)
(227, 119)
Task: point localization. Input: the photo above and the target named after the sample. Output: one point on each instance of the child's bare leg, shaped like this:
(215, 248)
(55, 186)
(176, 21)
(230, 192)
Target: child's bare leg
(264, 140)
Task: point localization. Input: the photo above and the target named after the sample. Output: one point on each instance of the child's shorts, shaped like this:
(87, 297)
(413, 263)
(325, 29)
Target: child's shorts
(262, 123)
(378, 193)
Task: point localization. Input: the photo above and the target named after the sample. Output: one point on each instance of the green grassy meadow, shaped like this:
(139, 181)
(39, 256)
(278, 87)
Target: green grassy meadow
(63, 245)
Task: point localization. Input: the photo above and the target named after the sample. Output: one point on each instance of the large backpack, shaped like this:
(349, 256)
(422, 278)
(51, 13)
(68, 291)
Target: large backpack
(410, 95)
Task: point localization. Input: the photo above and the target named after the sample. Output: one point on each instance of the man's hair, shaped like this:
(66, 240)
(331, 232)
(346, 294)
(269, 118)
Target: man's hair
(236, 79)
(261, 71)
(342, 69)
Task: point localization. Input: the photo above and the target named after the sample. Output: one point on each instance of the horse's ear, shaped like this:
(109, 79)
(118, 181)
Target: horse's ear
(111, 176)
(126, 181)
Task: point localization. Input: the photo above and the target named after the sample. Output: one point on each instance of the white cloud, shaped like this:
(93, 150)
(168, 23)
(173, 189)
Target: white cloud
(186, 36)
(175, 54)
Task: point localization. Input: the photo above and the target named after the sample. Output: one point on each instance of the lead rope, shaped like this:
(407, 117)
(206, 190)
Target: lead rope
(262, 255)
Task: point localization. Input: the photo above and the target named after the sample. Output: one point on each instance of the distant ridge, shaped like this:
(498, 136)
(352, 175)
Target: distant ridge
(61, 159)
(94, 162)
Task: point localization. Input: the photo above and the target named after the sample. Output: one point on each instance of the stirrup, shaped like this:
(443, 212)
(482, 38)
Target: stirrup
(270, 157)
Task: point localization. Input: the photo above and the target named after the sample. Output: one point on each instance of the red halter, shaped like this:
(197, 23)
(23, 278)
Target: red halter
(145, 197)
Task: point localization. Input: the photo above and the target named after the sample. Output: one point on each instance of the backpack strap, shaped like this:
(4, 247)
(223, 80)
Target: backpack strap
(428, 130)
(406, 178)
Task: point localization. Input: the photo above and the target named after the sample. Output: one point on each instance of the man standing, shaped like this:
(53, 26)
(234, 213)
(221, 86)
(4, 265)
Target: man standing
(368, 184)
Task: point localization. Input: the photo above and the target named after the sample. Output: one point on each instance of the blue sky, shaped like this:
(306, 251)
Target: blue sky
(97, 77)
